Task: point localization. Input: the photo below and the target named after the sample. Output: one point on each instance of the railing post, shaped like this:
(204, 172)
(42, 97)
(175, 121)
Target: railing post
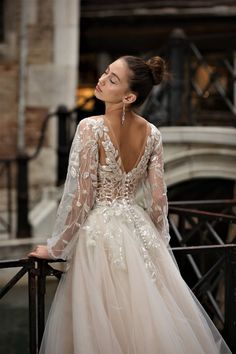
(9, 197)
(62, 144)
(23, 226)
(42, 264)
(230, 299)
(32, 308)
(177, 49)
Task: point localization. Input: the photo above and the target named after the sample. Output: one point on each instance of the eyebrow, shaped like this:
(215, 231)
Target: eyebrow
(113, 73)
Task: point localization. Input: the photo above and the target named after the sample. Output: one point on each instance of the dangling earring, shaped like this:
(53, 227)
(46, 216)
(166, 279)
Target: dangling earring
(123, 115)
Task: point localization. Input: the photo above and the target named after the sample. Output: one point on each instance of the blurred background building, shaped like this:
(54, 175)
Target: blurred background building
(39, 50)
(51, 55)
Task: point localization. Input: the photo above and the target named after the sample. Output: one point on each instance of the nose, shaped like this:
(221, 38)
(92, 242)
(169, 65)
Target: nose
(101, 81)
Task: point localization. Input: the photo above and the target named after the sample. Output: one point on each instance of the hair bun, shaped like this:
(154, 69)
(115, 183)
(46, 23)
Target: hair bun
(157, 67)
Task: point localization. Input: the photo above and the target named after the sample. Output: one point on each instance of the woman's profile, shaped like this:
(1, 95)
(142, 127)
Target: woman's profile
(122, 293)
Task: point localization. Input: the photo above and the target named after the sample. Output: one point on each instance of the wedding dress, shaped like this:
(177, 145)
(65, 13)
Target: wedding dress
(122, 292)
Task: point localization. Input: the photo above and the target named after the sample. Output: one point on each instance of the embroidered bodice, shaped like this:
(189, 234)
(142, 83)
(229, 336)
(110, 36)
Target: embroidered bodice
(90, 184)
(113, 183)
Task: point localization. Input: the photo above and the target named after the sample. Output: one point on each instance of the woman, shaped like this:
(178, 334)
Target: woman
(122, 293)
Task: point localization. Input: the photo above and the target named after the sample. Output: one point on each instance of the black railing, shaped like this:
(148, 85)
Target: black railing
(208, 269)
(191, 224)
(6, 178)
(210, 218)
(39, 270)
(223, 270)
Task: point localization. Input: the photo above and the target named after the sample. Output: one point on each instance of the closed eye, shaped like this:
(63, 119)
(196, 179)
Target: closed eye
(112, 76)
(113, 82)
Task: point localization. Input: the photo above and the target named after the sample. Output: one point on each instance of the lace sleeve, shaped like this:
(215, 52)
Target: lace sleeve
(79, 191)
(158, 209)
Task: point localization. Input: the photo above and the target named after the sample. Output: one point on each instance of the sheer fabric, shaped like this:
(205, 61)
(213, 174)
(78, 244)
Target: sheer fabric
(159, 207)
(79, 191)
(122, 294)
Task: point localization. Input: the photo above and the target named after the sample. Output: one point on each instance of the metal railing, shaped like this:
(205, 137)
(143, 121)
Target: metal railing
(6, 180)
(20, 179)
(221, 272)
(201, 217)
(208, 269)
(39, 270)
(191, 224)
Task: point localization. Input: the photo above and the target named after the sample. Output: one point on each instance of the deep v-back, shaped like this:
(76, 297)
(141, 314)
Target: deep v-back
(117, 151)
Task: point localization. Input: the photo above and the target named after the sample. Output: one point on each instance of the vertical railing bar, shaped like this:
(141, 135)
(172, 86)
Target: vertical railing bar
(9, 197)
(230, 298)
(41, 290)
(32, 308)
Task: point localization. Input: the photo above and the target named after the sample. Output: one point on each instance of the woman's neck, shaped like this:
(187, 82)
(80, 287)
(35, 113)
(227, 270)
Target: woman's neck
(114, 111)
(111, 107)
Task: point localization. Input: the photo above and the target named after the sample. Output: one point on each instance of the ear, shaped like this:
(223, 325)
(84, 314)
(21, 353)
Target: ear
(130, 98)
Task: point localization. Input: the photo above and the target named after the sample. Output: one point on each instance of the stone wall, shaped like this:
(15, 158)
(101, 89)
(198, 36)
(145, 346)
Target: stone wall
(52, 62)
(199, 152)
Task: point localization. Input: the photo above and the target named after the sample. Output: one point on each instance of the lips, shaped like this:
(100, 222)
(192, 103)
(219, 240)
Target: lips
(98, 88)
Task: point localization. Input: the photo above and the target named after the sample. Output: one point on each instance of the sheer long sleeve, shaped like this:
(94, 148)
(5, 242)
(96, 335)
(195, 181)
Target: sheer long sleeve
(158, 209)
(79, 191)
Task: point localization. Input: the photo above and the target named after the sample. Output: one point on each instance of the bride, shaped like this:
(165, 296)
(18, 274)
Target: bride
(122, 292)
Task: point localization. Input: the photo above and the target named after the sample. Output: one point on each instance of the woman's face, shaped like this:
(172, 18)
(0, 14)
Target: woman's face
(113, 85)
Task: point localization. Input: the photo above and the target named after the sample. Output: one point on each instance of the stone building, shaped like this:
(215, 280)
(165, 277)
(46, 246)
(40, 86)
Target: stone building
(50, 44)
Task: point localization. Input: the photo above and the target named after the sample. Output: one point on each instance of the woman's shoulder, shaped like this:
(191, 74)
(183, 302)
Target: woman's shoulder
(90, 127)
(90, 119)
(91, 122)
(152, 128)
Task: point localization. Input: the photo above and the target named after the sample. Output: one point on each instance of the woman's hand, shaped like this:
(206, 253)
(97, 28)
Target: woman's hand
(40, 252)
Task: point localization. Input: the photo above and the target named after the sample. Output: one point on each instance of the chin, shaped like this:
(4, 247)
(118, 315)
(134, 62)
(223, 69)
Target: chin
(98, 95)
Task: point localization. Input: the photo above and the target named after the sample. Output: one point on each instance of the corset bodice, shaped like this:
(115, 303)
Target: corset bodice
(116, 187)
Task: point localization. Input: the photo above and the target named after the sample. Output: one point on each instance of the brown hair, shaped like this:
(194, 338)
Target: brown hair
(144, 74)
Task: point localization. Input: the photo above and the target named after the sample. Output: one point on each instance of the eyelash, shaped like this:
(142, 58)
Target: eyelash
(107, 72)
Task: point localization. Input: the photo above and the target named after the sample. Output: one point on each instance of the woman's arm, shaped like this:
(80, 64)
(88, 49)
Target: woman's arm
(159, 205)
(78, 196)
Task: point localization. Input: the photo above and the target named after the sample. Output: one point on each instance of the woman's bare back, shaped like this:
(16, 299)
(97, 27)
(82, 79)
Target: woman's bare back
(129, 139)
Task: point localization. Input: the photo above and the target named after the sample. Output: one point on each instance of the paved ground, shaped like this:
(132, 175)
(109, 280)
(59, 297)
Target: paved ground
(14, 325)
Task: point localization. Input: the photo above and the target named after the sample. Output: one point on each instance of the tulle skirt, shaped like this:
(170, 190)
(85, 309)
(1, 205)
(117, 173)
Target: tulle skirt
(119, 297)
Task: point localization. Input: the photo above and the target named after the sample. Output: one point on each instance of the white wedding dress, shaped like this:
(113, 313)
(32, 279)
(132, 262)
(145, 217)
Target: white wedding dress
(122, 292)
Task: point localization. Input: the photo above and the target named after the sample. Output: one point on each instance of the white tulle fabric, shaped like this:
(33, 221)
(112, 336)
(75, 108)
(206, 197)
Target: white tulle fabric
(122, 293)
